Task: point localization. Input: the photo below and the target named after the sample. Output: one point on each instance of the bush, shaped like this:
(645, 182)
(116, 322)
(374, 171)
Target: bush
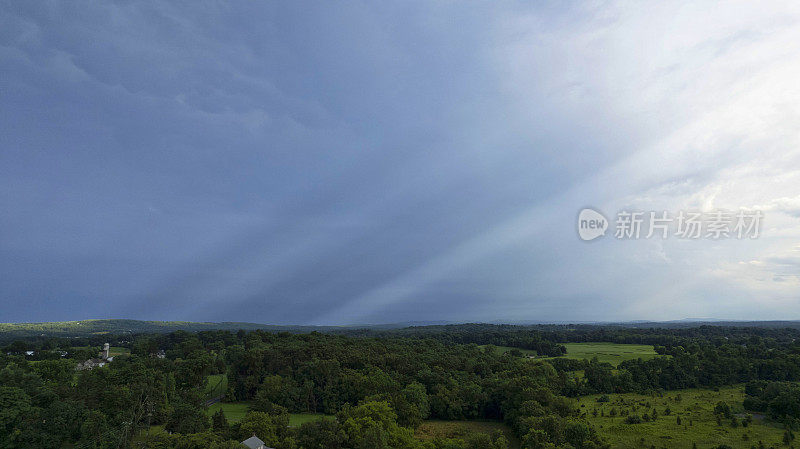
(722, 408)
(633, 419)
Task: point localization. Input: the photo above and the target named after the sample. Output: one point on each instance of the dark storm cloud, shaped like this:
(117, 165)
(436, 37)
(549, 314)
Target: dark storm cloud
(234, 162)
(298, 162)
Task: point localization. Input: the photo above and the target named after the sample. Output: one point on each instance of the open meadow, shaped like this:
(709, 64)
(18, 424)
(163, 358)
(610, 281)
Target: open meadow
(683, 418)
(235, 411)
(432, 429)
(613, 353)
(216, 385)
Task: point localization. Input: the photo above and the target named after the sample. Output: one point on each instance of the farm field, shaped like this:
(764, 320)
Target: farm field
(429, 430)
(698, 424)
(613, 353)
(114, 351)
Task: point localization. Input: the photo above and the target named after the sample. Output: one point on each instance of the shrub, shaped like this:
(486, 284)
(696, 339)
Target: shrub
(633, 419)
(722, 408)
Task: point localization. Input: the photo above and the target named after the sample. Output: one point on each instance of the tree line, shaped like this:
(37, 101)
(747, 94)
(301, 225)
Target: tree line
(376, 385)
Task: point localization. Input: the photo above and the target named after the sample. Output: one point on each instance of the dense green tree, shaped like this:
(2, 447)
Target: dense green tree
(186, 418)
(272, 429)
(373, 425)
(219, 424)
(322, 434)
(15, 406)
(95, 432)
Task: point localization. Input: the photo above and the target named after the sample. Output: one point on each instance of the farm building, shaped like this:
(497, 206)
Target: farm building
(89, 364)
(102, 359)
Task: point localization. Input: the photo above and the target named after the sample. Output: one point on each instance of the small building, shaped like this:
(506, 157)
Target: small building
(90, 364)
(98, 362)
(255, 443)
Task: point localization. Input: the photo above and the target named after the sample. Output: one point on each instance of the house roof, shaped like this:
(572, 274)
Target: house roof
(253, 442)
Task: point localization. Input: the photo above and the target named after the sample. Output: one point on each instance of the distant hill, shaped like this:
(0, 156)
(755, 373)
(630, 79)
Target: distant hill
(10, 331)
(87, 328)
(697, 322)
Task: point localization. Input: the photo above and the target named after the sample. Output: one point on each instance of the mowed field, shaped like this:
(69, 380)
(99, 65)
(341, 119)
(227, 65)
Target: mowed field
(459, 429)
(115, 351)
(216, 385)
(296, 419)
(695, 408)
(613, 353)
(235, 411)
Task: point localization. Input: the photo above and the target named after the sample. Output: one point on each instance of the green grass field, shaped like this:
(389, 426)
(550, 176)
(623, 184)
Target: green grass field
(296, 419)
(114, 351)
(216, 385)
(698, 422)
(154, 430)
(613, 353)
(235, 411)
(457, 429)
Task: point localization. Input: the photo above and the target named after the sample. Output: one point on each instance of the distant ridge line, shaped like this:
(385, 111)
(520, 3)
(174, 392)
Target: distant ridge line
(89, 327)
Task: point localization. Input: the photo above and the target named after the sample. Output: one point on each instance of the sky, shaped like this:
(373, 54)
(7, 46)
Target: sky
(380, 162)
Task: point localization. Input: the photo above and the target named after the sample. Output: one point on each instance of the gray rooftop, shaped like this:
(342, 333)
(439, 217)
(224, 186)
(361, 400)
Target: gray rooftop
(254, 443)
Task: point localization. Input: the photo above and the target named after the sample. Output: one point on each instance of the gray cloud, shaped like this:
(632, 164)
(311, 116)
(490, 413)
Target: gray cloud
(359, 162)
